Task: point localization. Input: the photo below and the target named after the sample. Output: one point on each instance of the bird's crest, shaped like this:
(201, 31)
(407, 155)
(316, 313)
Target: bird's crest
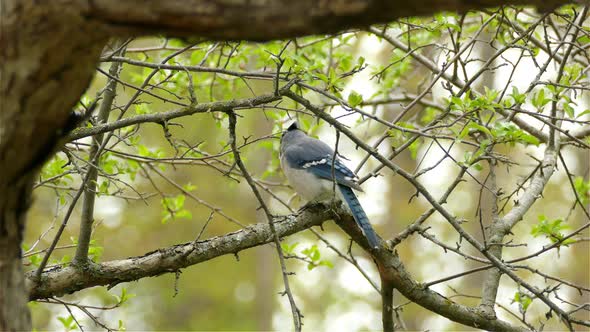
(293, 126)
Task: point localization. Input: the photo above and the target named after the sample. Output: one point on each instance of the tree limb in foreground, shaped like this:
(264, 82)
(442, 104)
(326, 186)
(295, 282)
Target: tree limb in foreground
(69, 279)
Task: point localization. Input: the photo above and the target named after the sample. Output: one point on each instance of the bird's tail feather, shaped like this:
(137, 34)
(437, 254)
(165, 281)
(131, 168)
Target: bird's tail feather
(359, 215)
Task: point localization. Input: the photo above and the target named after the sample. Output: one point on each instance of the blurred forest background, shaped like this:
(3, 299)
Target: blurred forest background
(161, 184)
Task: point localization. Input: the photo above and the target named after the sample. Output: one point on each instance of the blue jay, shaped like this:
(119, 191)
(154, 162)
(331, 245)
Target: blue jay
(307, 164)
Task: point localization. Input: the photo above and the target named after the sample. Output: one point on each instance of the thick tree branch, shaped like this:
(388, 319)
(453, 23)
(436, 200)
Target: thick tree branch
(219, 106)
(66, 280)
(387, 305)
(491, 282)
(392, 271)
(251, 20)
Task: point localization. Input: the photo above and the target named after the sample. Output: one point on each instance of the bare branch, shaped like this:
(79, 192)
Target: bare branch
(232, 133)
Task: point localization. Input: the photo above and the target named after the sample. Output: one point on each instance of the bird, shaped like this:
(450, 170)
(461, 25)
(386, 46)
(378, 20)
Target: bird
(311, 167)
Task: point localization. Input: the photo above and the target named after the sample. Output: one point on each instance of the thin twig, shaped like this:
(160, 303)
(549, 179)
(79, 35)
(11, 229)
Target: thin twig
(232, 137)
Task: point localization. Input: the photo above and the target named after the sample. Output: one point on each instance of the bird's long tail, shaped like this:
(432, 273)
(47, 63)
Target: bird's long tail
(359, 215)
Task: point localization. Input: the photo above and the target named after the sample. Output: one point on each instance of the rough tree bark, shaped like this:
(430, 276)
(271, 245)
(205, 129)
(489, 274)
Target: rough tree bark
(48, 52)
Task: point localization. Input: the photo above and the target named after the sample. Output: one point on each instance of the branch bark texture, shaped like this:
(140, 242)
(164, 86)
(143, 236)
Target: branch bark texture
(247, 20)
(66, 280)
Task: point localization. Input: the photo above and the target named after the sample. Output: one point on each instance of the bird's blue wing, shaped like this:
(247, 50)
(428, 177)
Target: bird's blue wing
(316, 157)
(322, 168)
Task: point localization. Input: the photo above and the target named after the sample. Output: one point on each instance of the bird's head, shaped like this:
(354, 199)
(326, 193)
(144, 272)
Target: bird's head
(292, 131)
(293, 126)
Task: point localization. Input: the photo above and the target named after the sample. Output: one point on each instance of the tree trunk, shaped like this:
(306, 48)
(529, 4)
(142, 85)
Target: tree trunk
(14, 314)
(47, 58)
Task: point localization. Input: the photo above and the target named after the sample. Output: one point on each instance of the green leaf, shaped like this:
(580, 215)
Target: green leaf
(523, 300)
(490, 95)
(184, 214)
(173, 207)
(360, 61)
(68, 323)
(457, 102)
(355, 99)
(35, 260)
(189, 187)
(428, 115)
(332, 75)
(582, 189)
(473, 127)
(323, 77)
(414, 148)
(569, 110)
(519, 98)
(508, 132)
(56, 168)
(142, 109)
(539, 100)
(123, 298)
(95, 251)
(551, 229)
(103, 188)
(289, 249)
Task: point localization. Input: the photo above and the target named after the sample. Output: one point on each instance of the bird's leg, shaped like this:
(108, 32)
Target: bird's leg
(307, 205)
